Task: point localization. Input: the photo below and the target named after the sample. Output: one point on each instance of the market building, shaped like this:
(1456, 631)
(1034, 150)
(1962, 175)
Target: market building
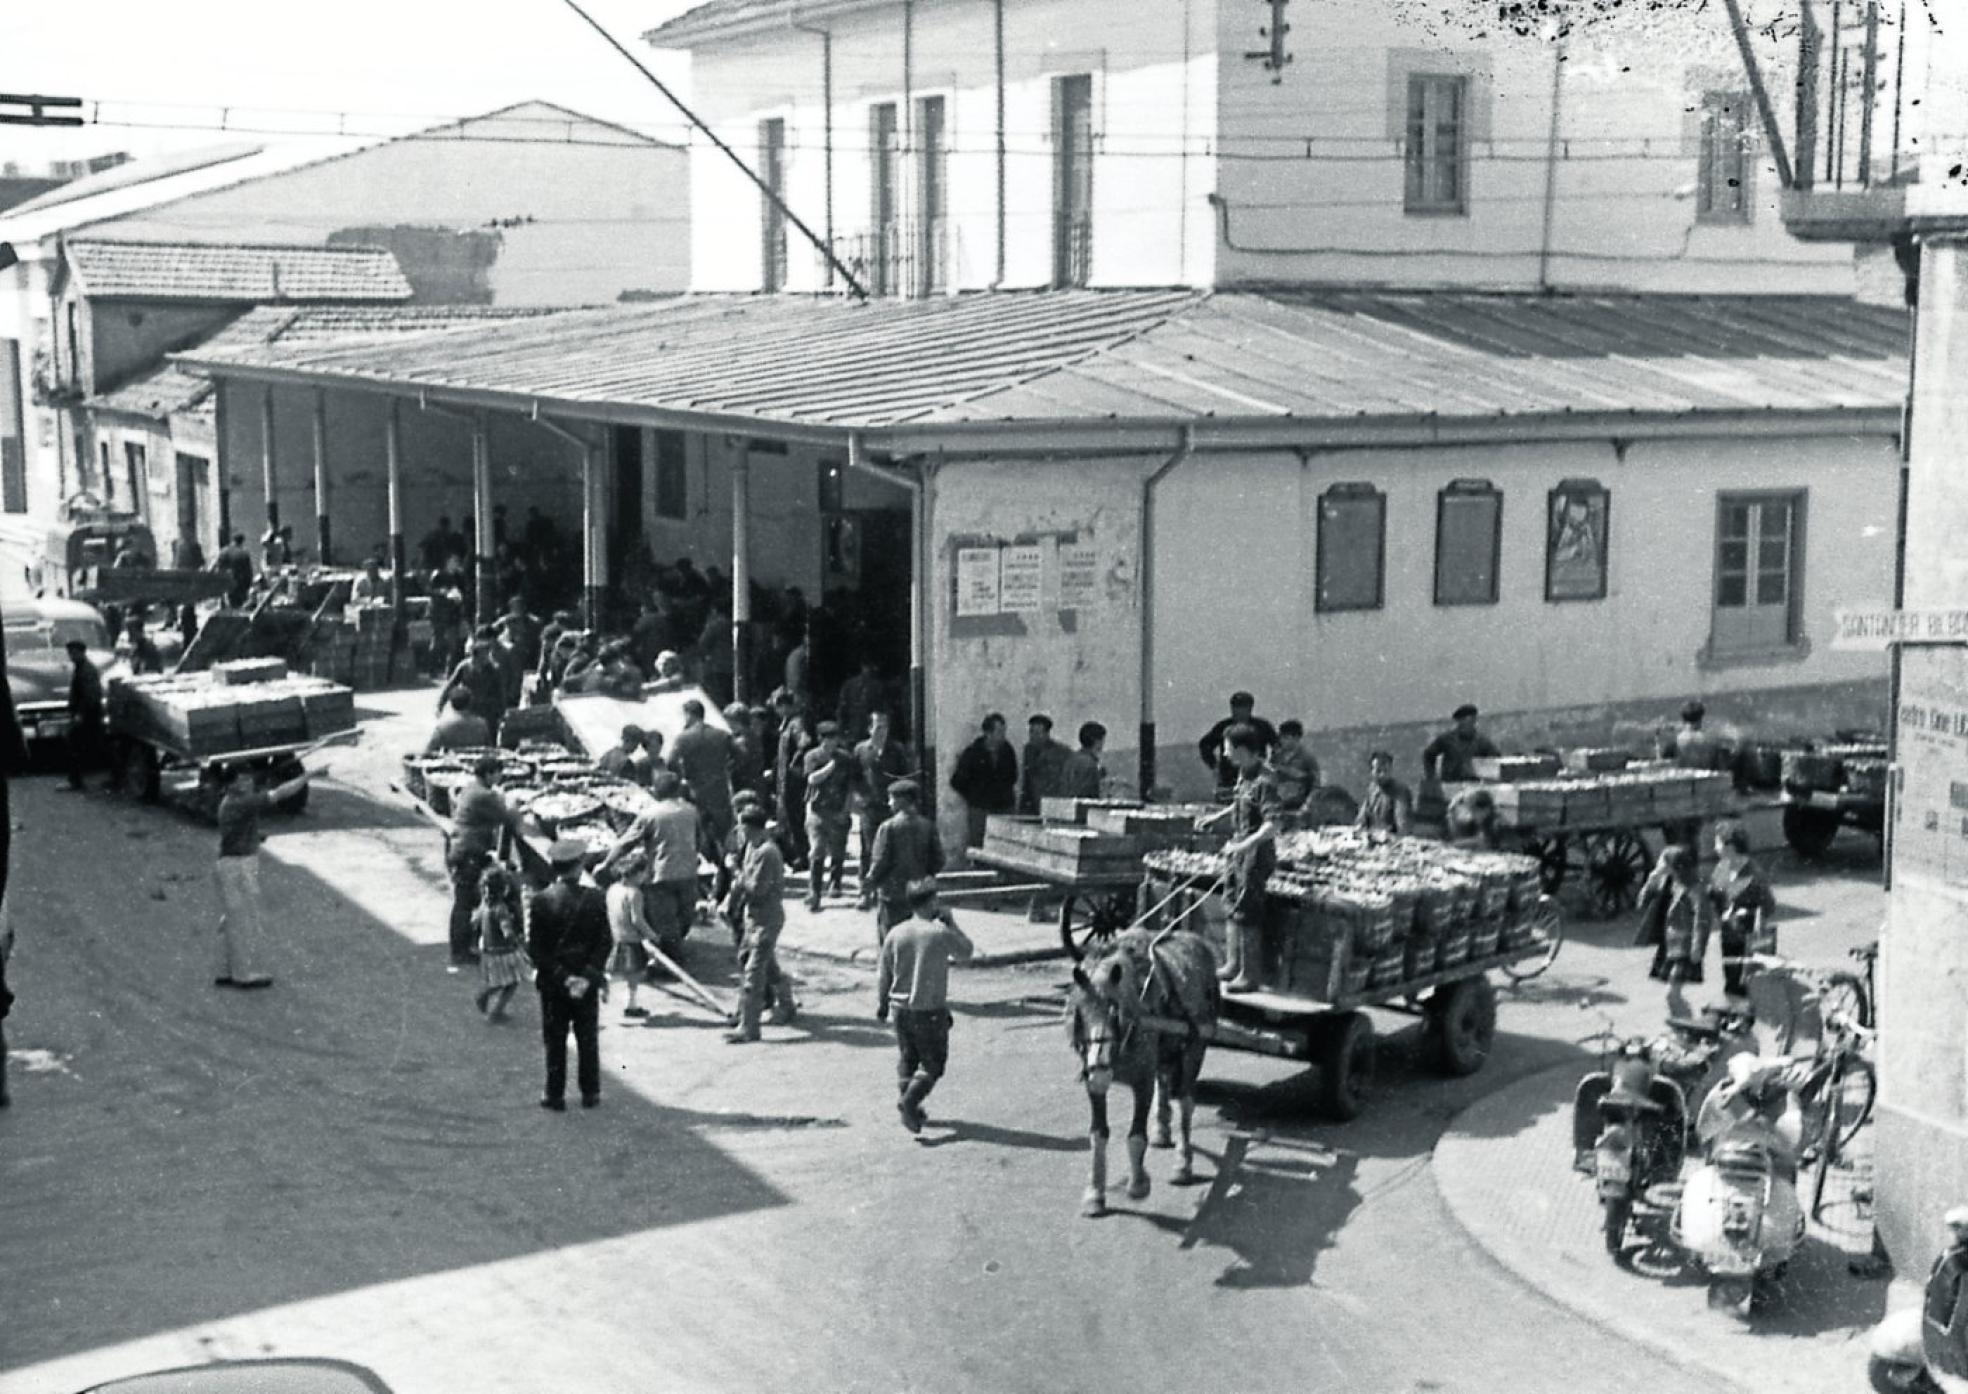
(1367, 507)
(529, 205)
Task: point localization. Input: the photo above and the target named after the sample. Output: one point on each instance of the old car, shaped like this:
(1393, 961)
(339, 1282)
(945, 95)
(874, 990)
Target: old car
(37, 633)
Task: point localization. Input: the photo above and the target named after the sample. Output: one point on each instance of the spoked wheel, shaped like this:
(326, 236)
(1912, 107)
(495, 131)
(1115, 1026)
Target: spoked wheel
(141, 772)
(1844, 994)
(1847, 1107)
(1553, 857)
(1548, 923)
(1091, 919)
(1616, 865)
(1462, 1025)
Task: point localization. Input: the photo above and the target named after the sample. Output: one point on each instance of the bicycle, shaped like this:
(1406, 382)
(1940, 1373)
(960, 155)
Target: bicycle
(1839, 1096)
(1839, 993)
(1548, 923)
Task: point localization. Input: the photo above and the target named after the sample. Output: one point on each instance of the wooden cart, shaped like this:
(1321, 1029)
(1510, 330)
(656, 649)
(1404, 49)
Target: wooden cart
(1097, 905)
(1457, 1003)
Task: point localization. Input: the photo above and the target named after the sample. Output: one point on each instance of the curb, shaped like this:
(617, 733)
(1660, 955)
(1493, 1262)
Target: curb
(864, 955)
(1456, 1161)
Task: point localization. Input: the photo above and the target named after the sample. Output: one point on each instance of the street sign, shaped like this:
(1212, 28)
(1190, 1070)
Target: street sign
(1881, 629)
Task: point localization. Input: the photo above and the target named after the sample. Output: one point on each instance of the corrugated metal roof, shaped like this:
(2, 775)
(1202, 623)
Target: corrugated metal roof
(242, 272)
(718, 18)
(297, 324)
(1173, 356)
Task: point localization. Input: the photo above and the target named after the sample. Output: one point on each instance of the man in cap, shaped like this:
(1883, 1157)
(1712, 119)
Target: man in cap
(829, 776)
(907, 848)
(879, 761)
(1041, 765)
(1242, 712)
(569, 942)
(757, 903)
(486, 678)
(1694, 748)
(85, 712)
(1451, 757)
(914, 982)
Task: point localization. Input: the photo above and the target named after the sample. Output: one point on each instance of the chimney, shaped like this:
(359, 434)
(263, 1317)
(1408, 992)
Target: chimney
(275, 267)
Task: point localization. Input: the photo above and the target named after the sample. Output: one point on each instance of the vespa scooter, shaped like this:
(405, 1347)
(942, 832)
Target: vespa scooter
(1924, 1349)
(1738, 1217)
(1629, 1131)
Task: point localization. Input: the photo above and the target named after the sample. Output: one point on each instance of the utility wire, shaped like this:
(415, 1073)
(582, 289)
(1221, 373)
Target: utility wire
(771, 193)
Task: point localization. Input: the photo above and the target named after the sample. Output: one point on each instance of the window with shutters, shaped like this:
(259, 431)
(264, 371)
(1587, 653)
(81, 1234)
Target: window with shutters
(1468, 539)
(1437, 153)
(1351, 548)
(1759, 568)
(672, 477)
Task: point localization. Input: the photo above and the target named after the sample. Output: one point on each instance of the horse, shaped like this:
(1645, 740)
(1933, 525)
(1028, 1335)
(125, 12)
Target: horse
(1141, 1011)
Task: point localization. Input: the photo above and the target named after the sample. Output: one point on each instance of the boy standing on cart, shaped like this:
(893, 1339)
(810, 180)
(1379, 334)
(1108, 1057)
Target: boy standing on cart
(1251, 854)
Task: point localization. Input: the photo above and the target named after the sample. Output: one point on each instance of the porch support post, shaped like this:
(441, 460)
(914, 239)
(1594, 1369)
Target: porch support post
(321, 477)
(266, 459)
(1147, 772)
(487, 588)
(741, 576)
(594, 549)
(393, 461)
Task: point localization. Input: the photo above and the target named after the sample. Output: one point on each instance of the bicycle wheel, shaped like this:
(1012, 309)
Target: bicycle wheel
(1548, 923)
(1845, 994)
(1855, 1090)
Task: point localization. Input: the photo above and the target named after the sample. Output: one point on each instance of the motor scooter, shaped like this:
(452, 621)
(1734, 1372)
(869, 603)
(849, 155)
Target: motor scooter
(1738, 1216)
(1924, 1349)
(1629, 1132)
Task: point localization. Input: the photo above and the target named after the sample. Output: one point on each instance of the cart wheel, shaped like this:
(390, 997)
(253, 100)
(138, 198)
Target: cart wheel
(1552, 852)
(1548, 924)
(1809, 831)
(1090, 920)
(283, 770)
(1346, 1065)
(1462, 1018)
(1617, 864)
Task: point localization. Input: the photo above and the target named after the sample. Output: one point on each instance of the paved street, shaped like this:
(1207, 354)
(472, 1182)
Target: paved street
(351, 1164)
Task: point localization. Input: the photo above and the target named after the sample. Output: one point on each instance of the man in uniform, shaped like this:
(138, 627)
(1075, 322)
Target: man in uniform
(1451, 756)
(569, 943)
(879, 762)
(906, 849)
(1251, 853)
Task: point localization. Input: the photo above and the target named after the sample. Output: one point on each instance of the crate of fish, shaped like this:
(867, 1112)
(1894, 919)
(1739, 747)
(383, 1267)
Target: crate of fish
(1484, 937)
(1421, 953)
(1388, 966)
(1455, 948)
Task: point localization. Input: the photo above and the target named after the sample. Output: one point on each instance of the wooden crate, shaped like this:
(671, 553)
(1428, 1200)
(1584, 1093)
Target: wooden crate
(1514, 769)
(1597, 759)
(239, 671)
(1075, 810)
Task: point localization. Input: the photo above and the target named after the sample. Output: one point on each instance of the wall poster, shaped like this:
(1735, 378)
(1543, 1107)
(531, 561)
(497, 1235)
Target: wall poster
(977, 582)
(1021, 587)
(1930, 813)
(1079, 577)
(1575, 541)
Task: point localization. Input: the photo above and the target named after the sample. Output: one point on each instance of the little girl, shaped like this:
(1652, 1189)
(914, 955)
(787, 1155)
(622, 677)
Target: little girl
(629, 927)
(502, 941)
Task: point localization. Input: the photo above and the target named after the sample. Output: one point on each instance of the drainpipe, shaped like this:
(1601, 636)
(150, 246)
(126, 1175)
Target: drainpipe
(321, 476)
(1551, 168)
(594, 581)
(1184, 449)
(920, 486)
(997, 29)
(826, 121)
(393, 485)
(266, 460)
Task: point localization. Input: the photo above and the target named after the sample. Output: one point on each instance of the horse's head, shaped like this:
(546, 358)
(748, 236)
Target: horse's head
(1107, 989)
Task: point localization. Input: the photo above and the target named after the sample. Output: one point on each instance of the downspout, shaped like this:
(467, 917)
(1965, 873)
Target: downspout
(997, 23)
(1184, 449)
(920, 485)
(826, 122)
(1899, 562)
(1551, 168)
(593, 582)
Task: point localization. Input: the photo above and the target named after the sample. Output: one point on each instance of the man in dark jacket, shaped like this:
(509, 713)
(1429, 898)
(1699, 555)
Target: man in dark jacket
(85, 713)
(906, 849)
(237, 564)
(1211, 748)
(789, 776)
(569, 943)
(986, 777)
(486, 678)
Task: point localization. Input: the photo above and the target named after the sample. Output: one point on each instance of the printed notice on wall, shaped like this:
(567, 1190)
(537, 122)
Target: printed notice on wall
(1930, 829)
(977, 582)
(1021, 588)
(1079, 577)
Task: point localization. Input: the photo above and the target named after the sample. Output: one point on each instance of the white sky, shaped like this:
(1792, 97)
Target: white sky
(393, 65)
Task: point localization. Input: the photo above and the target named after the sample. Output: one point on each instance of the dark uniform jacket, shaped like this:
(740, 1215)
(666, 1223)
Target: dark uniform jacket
(907, 848)
(987, 779)
(569, 935)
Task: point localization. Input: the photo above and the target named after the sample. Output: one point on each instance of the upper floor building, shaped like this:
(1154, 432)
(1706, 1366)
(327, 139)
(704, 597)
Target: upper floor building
(943, 145)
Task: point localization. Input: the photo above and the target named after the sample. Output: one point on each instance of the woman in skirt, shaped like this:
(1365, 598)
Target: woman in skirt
(502, 942)
(630, 927)
(1674, 918)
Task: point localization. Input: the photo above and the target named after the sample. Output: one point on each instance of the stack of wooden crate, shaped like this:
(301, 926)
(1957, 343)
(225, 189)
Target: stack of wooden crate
(1063, 849)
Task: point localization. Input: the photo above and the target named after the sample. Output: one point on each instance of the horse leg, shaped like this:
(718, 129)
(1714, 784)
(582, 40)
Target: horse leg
(1094, 1203)
(1137, 1142)
(1164, 1086)
(1185, 1087)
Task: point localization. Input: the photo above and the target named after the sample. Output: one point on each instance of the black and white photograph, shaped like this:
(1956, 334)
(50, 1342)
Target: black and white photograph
(981, 696)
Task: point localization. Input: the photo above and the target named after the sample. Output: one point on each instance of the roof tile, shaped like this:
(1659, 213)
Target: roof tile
(228, 272)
